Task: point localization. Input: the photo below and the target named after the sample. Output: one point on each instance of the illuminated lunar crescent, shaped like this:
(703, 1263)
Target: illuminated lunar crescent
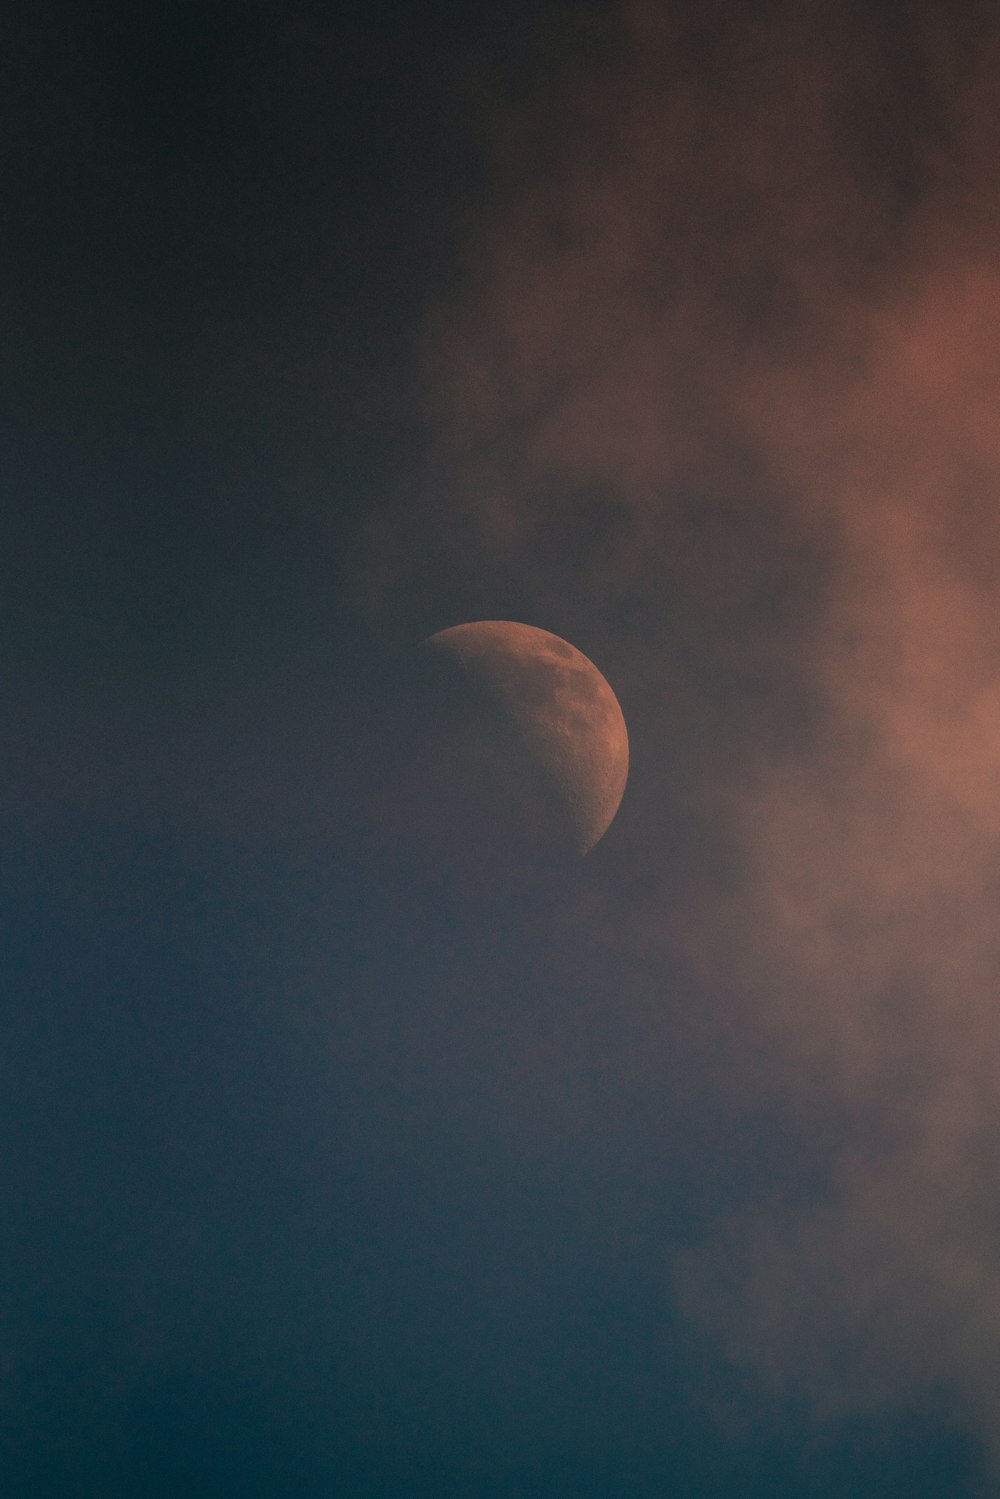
(552, 716)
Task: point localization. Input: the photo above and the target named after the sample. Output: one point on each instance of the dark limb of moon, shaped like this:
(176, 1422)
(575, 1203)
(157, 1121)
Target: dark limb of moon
(532, 748)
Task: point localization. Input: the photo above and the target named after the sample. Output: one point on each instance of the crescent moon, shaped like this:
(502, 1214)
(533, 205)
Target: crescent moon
(554, 713)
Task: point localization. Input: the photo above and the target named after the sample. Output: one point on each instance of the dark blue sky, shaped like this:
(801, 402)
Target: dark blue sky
(339, 1162)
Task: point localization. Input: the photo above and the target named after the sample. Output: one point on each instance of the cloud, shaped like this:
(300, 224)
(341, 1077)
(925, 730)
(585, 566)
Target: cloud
(867, 928)
(719, 391)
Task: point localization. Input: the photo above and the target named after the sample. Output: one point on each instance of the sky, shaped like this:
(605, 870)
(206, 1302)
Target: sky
(342, 1159)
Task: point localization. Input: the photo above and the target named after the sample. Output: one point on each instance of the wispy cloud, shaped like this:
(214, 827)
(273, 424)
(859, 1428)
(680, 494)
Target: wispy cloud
(719, 390)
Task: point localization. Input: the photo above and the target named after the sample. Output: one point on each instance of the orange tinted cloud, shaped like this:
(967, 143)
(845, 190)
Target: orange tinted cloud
(737, 308)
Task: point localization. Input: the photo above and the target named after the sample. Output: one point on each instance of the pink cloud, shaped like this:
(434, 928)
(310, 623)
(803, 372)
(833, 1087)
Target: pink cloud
(735, 287)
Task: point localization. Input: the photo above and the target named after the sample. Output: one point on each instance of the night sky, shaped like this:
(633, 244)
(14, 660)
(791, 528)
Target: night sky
(342, 1157)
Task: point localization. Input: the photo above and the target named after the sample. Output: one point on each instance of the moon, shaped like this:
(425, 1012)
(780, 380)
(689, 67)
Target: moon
(541, 731)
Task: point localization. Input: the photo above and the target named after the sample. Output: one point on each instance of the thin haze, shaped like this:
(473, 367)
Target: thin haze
(720, 389)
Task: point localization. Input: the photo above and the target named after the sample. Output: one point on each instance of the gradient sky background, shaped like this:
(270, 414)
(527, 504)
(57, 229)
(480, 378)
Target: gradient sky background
(334, 1163)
